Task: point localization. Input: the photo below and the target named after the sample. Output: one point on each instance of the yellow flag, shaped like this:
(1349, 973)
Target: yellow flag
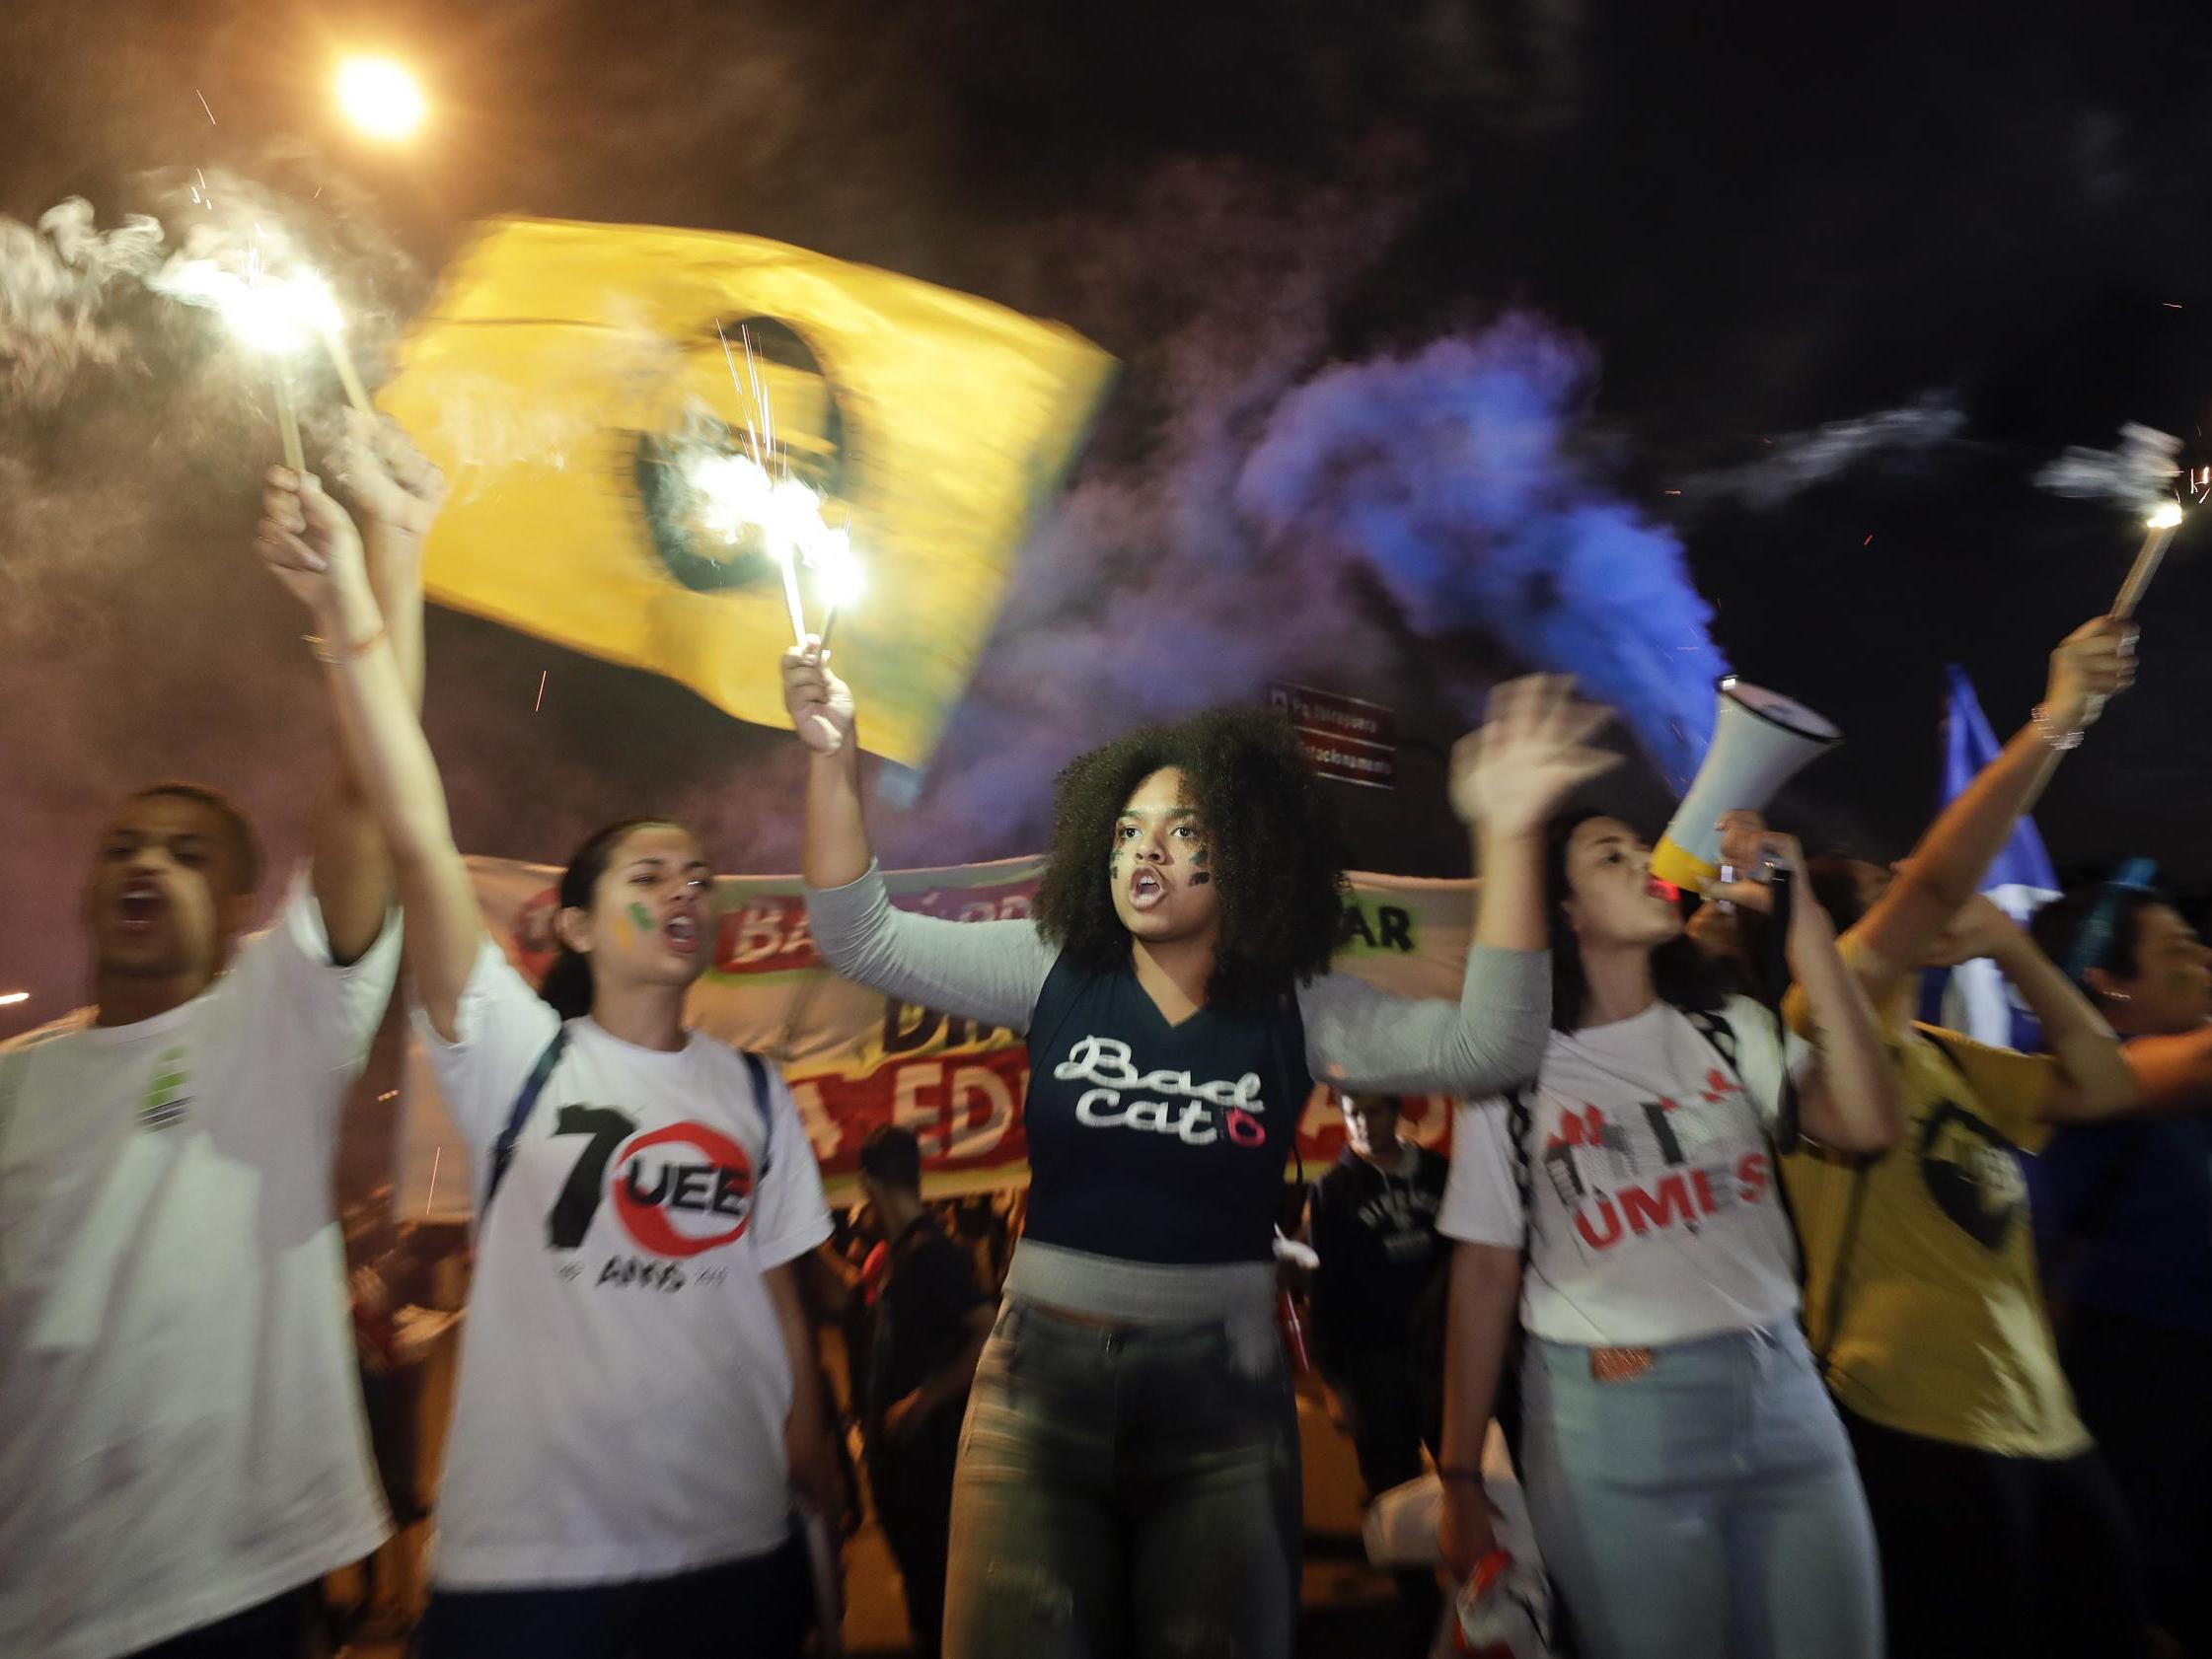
(572, 378)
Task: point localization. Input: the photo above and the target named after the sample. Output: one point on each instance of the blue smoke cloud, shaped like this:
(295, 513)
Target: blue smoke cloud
(1452, 471)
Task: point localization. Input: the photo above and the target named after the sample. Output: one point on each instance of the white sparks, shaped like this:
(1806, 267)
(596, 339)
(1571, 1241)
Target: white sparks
(273, 315)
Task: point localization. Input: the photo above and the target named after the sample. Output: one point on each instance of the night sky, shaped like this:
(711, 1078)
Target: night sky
(1758, 221)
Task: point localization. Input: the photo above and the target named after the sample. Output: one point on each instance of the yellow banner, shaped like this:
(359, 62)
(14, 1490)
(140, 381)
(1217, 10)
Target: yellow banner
(571, 378)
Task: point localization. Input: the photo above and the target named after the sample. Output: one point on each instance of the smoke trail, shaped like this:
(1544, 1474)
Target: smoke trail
(1242, 536)
(2137, 473)
(1806, 458)
(58, 283)
(1453, 471)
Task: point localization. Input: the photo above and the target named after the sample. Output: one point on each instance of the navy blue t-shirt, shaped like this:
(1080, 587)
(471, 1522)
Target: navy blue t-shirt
(2147, 1250)
(1154, 1142)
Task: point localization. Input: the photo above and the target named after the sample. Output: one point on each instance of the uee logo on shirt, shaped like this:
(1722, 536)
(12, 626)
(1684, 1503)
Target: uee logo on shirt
(1105, 1060)
(678, 1191)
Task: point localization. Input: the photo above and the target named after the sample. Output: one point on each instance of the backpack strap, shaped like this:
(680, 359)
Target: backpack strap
(1839, 1280)
(503, 1149)
(1520, 1124)
(756, 1072)
(1784, 1136)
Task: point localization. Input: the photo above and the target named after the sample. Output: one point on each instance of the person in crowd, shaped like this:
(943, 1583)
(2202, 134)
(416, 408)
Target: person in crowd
(385, 1275)
(1687, 1477)
(1129, 1475)
(932, 1320)
(184, 1458)
(2123, 1215)
(1377, 1311)
(1922, 1292)
(639, 1385)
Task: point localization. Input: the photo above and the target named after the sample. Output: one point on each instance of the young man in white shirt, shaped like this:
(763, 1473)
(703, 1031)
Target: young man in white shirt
(183, 1454)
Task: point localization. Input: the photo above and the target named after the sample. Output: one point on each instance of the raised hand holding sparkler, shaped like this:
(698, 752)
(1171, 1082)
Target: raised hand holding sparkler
(2092, 665)
(819, 702)
(311, 544)
(396, 488)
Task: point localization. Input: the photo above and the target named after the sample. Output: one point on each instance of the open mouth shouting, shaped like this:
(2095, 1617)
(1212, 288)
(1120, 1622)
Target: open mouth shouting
(140, 906)
(681, 931)
(1147, 888)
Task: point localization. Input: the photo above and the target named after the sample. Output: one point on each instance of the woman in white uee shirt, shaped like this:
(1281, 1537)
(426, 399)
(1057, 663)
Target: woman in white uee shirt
(637, 1388)
(1691, 1487)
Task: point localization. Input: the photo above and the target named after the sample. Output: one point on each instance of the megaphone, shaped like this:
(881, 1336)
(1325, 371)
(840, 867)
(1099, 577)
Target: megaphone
(1760, 741)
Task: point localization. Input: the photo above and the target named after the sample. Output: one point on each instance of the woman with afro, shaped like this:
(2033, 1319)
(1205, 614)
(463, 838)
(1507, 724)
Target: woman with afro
(1128, 1471)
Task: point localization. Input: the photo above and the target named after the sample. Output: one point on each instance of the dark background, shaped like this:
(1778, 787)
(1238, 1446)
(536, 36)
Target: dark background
(1759, 219)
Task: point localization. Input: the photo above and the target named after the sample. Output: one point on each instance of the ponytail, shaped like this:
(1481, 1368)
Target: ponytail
(568, 984)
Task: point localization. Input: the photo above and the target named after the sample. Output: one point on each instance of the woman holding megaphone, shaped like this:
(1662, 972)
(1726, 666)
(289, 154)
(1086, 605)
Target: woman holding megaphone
(1128, 1471)
(1689, 1482)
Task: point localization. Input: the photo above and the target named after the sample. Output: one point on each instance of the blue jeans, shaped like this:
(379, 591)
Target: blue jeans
(1132, 1491)
(1706, 1508)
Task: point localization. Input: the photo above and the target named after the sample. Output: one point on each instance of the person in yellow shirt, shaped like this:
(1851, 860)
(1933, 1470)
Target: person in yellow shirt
(1999, 1527)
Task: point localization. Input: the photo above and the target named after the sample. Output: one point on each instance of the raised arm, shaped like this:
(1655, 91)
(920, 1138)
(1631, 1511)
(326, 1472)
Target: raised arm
(988, 970)
(2096, 662)
(822, 713)
(2173, 1074)
(311, 545)
(1848, 1100)
(2094, 1082)
(1507, 780)
(350, 871)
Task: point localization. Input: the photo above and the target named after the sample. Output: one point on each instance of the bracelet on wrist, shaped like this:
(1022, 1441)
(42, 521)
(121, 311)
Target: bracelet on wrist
(1467, 1477)
(344, 653)
(2059, 738)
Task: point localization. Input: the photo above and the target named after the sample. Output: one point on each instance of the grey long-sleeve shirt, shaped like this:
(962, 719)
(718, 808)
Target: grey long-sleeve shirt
(1356, 1038)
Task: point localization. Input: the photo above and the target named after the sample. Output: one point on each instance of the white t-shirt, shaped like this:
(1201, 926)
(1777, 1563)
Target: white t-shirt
(1652, 1177)
(623, 1381)
(181, 1433)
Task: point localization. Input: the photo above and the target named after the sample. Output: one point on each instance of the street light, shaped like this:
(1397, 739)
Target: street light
(11, 999)
(379, 98)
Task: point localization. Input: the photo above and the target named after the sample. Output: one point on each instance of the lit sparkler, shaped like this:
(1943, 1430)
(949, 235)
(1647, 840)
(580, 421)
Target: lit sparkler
(276, 316)
(2159, 530)
(841, 577)
(743, 493)
(739, 495)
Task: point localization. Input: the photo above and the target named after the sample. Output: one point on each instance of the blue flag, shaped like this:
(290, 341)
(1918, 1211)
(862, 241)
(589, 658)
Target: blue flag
(1974, 997)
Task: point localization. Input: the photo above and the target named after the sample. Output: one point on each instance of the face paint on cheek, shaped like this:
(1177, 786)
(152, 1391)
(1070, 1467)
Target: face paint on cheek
(640, 919)
(1200, 874)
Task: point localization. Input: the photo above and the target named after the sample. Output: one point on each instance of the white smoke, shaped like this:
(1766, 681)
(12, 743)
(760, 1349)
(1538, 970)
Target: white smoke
(1803, 460)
